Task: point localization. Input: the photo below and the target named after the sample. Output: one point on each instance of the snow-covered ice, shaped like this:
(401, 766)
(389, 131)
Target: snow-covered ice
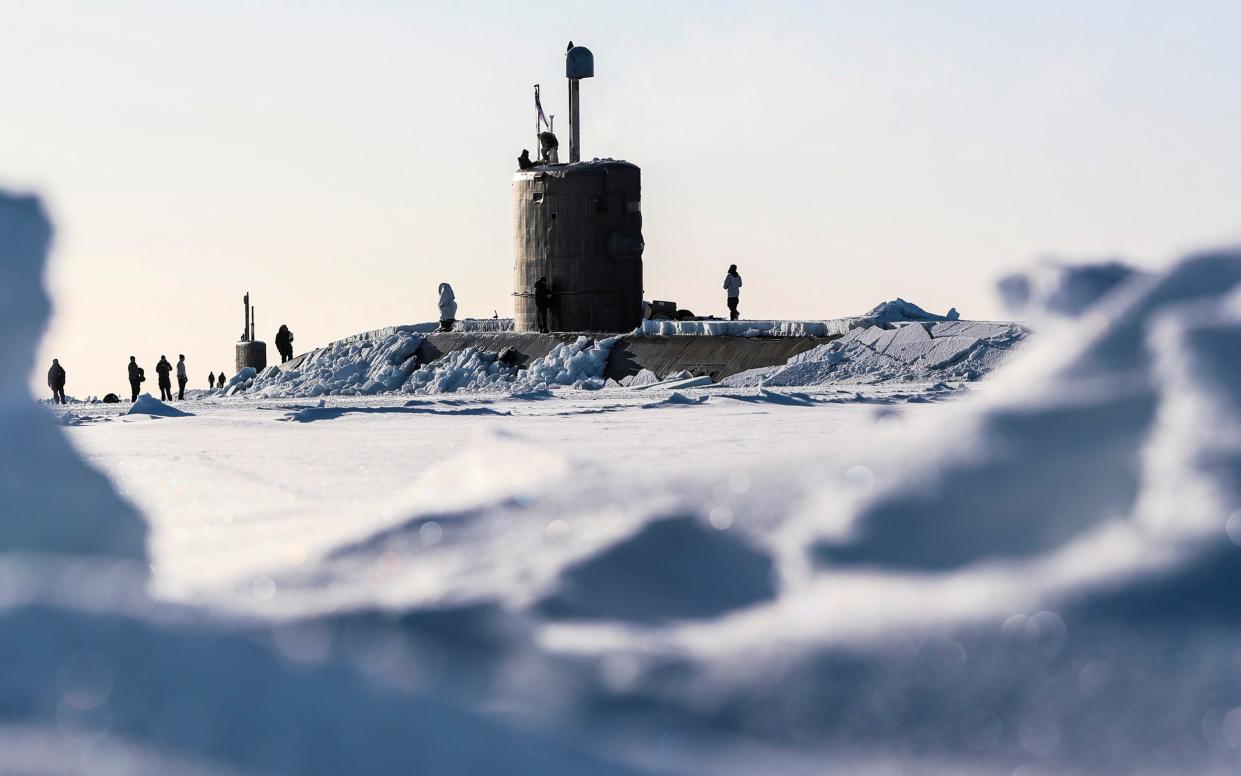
(385, 361)
(882, 315)
(357, 366)
(906, 353)
(474, 370)
(1034, 576)
(897, 310)
(747, 328)
(579, 364)
(101, 678)
(149, 405)
(467, 325)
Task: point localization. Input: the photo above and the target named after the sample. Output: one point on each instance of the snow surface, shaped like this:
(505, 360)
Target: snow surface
(468, 325)
(384, 362)
(643, 377)
(579, 364)
(473, 370)
(236, 384)
(1036, 577)
(378, 361)
(908, 353)
(351, 367)
(470, 369)
(747, 328)
(100, 678)
(149, 405)
(882, 315)
(898, 310)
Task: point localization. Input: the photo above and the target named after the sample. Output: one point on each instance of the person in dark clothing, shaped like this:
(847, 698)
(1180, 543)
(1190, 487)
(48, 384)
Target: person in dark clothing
(220, 380)
(732, 286)
(56, 381)
(210, 379)
(523, 161)
(284, 343)
(136, 376)
(164, 370)
(542, 301)
(549, 148)
(183, 377)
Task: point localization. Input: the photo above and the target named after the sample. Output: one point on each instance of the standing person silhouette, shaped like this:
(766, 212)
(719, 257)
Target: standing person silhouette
(284, 343)
(732, 285)
(56, 381)
(136, 377)
(183, 377)
(542, 302)
(164, 370)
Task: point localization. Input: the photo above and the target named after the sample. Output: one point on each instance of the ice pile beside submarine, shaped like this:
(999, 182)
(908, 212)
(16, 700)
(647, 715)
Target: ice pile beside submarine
(578, 364)
(942, 351)
(361, 366)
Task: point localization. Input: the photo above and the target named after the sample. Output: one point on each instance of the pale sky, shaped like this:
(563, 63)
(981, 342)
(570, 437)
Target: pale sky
(340, 159)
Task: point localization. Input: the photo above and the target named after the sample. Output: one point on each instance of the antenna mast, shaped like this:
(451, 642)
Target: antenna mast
(579, 63)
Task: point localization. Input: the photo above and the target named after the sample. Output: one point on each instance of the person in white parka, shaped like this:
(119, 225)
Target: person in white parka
(732, 285)
(448, 307)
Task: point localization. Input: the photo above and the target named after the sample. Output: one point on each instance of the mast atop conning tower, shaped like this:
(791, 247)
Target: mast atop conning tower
(579, 63)
(577, 241)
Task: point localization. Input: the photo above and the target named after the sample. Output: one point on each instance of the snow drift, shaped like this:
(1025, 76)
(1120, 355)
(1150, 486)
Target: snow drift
(149, 405)
(384, 362)
(579, 364)
(1040, 579)
(747, 328)
(881, 315)
(1037, 580)
(469, 325)
(898, 310)
(352, 367)
(470, 369)
(909, 352)
(100, 679)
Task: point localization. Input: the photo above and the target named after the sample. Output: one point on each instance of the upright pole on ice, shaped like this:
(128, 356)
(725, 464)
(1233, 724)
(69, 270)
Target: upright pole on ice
(579, 63)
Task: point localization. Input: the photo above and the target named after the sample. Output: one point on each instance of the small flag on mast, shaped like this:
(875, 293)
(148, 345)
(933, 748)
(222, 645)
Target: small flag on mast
(538, 105)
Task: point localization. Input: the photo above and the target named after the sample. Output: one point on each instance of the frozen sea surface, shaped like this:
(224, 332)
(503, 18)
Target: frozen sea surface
(245, 488)
(1037, 575)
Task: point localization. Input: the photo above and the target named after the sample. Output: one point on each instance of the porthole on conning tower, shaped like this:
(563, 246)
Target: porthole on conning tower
(579, 226)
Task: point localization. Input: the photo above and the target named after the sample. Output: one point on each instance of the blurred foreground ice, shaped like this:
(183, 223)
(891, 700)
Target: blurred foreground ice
(1040, 579)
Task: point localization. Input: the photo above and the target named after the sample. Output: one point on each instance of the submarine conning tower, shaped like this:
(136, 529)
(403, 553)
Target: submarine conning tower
(580, 226)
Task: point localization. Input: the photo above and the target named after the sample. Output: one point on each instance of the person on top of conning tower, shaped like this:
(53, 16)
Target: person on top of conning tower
(549, 148)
